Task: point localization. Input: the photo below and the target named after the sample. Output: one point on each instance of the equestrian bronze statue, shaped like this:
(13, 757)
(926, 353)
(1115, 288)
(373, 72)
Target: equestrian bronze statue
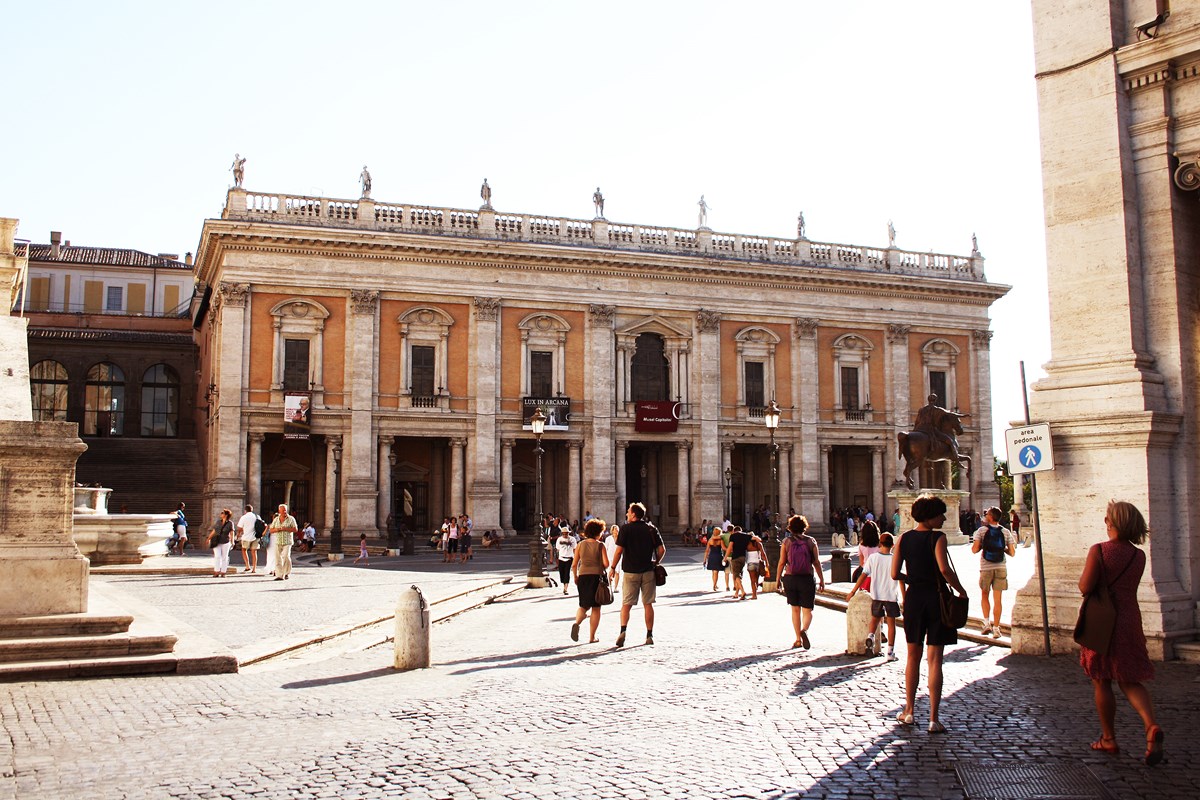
(933, 439)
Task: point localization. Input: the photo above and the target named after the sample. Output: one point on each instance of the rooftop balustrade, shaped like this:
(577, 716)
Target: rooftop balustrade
(486, 223)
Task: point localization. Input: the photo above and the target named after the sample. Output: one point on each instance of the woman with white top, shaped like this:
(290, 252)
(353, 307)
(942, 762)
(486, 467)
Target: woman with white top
(565, 546)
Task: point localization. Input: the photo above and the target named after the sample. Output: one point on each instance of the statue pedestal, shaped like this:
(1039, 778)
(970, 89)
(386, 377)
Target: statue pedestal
(951, 497)
(41, 570)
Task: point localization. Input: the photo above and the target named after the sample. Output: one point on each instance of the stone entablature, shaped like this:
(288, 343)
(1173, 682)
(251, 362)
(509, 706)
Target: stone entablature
(368, 214)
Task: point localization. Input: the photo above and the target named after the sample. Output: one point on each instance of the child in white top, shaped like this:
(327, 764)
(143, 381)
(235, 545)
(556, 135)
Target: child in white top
(887, 594)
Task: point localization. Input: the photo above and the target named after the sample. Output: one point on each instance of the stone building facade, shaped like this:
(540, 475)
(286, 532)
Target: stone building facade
(1119, 102)
(423, 337)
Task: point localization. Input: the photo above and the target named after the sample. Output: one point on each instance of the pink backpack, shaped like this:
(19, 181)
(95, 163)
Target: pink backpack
(799, 557)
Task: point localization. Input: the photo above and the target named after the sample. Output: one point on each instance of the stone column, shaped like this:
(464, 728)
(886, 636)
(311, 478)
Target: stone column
(574, 446)
(360, 495)
(385, 483)
(896, 354)
(785, 482)
(984, 491)
(506, 454)
(684, 483)
(726, 483)
(709, 477)
(330, 482)
(877, 487)
(484, 371)
(254, 471)
(826, 450)
(457, 459)
(226, 486)
(811, 480)
(622, 497)
(599, 366)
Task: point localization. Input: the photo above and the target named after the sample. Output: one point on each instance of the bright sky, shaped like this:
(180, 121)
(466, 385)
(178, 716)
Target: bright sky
(123, 118)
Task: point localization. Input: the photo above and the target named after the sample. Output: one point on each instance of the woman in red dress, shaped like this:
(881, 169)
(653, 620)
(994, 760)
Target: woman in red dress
(1119, 564)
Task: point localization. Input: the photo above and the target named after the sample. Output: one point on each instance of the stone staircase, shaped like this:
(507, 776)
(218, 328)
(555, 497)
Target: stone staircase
(1188, 652)
(147, 476)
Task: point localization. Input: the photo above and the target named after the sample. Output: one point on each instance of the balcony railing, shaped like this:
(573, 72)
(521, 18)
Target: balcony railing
(486, 223)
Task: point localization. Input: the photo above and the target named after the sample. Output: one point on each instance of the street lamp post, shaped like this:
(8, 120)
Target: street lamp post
(771, 418)
(335, 533)
(536, 576)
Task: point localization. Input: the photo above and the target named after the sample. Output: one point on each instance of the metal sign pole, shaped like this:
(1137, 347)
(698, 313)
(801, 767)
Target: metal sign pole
(1037, 529)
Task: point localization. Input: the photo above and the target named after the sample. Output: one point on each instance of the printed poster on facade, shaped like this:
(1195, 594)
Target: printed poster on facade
(656, 416)
(556, 409)
(297, 415)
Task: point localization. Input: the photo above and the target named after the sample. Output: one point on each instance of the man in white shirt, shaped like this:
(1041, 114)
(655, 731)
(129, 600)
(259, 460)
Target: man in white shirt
(245, 525)
(995, 543)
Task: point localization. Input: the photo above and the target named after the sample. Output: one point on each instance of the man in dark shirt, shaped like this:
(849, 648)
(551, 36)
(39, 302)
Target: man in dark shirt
(739, 540)
(641, 546)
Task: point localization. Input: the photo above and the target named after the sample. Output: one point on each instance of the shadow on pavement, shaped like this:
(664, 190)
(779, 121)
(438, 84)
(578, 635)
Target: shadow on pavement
(357, 676)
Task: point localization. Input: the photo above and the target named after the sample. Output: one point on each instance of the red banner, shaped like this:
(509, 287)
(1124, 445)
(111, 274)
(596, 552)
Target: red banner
(657, 416)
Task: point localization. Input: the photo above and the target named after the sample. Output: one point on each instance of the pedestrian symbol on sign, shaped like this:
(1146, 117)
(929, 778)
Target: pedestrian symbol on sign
(1031, 456)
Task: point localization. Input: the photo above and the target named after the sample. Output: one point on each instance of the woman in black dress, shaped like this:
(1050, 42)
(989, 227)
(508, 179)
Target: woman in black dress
(922, 554)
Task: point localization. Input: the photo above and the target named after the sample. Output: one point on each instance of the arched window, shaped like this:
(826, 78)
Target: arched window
(650, 373)
(104, 401)
(48, 385)
(160, 402)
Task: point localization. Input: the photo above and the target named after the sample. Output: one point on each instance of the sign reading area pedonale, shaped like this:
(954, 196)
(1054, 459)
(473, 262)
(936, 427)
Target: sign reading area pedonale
(1029, 449)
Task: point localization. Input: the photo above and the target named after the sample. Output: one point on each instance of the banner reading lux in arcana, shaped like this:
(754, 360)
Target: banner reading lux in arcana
(657, 416)
(556, 409)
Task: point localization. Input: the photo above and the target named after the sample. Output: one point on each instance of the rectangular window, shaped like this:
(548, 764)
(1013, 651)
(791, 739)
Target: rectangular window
(170, 301)
(137, 298)
(850, 388)
(93, 291)
(39, 294)
(422, 370)
(114, 298)
(541, 374)
(755, 391)
(295, 365)
(937, 385)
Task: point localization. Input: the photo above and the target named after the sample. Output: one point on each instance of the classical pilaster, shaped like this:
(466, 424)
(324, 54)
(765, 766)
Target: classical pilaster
(226, 486)
(684, 487)
(506, 464)
(983, 487)
(360, 496)
(484, 490)
(896, 354)
(809, 480)
(601, 467)
(709, 478)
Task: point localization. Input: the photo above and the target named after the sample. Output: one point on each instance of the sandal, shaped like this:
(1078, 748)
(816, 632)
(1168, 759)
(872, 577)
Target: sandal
(1106, 744)
(904, 719)
(1154, 745)
(936, 727)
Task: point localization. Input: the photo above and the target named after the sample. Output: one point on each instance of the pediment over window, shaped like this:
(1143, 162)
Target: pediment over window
(544, 322)
(654, 324)
(852, 341)
(300, 308)
(757, 334)
(425, 315)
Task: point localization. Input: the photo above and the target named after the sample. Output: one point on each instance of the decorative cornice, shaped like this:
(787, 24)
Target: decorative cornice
(234, 295)
(364, 301)
(806, 327)
(602, 314)
(982, 339)
(897, 332)
(1187, 175)
(487, 308)
(708, 320)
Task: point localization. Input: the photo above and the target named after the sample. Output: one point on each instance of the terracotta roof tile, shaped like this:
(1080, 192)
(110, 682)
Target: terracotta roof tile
(106, 256)
(93, 335)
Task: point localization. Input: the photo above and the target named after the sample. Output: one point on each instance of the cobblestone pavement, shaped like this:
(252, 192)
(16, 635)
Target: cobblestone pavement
(717, 708)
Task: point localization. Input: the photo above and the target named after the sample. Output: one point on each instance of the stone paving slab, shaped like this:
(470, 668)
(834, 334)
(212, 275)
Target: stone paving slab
(719, 707)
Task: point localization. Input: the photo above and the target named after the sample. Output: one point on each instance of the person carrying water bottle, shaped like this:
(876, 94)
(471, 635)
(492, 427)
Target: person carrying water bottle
(995, 543)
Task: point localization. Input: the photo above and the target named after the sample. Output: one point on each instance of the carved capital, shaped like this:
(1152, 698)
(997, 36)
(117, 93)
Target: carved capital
(708, 320)
(622, 444)
(458, 442)
(602, 314)
(487, 308)
(233, 294)
(806, 328)
(686, 444)
(897, 333)
(574, 444)
(1187, 174)
(982, 339)
(364, 301)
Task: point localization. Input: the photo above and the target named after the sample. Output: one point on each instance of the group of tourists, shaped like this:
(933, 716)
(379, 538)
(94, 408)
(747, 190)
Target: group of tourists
(455, 539)
(250, 533)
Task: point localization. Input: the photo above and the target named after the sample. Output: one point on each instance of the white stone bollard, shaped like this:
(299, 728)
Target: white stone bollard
(858, 625)
(412, 630)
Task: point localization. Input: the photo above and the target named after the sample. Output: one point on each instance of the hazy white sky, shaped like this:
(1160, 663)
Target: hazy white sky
(123, 117)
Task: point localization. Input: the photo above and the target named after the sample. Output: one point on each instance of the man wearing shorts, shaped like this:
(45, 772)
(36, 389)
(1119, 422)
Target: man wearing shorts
(641, 546)
(993, 575)
(735, 553)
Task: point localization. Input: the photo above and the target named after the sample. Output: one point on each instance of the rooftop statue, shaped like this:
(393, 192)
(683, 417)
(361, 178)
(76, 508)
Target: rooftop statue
(365, 179)
(485, 192)
(932, 439)
(703, 212)
(801, 233)
(239, 170)
(598, 201)
(891, 234)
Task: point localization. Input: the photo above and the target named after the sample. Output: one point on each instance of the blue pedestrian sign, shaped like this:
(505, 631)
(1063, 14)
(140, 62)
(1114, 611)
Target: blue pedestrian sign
(1029, 449)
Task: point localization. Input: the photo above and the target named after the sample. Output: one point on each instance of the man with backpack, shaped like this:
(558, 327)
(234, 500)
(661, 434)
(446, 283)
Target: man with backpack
(250, 527)
(994, 542)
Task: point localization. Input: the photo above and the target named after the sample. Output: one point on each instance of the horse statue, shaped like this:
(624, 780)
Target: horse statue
(920, 447)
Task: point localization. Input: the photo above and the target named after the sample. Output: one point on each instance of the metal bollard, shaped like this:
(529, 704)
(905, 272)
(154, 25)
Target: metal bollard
(412, 630)
(858, 623)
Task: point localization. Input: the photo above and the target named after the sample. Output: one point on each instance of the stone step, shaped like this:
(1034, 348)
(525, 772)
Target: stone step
(1188, 652)
(73, 648)
(158, 664)
(63, 625)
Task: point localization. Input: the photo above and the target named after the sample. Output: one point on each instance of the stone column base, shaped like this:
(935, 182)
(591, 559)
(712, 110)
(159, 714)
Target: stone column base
(32, 586)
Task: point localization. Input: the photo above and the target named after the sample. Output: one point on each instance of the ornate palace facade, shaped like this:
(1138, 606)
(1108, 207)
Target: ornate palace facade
(423, 338)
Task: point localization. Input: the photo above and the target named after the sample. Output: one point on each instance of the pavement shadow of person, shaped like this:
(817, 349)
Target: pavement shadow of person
(336, 679)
